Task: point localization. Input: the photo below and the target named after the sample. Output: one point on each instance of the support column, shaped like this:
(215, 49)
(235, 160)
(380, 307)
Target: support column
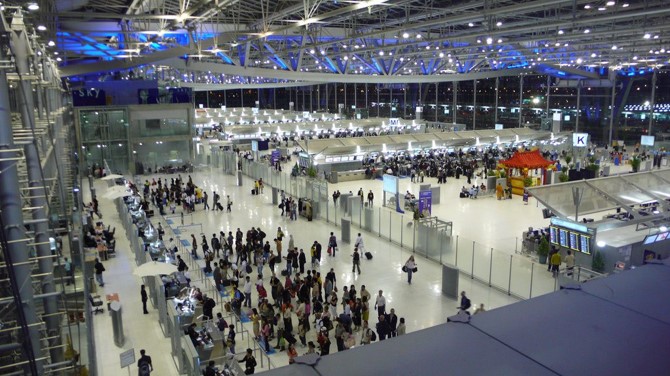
(436, 91)
(548, 96)
(612, 109)
(474, 105)
(404, 102)
(311, 98)
(345, 97)
(377, 100)
(455, 83)
(652, 102)
(520, 99)
(367, 105)
(355, 96)
(241, 98)
(579, 99)
(495, 117)
(15, 248)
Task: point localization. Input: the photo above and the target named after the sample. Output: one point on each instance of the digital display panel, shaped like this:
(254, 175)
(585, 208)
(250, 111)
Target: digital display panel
(650, 239)
(553, 238)
(574, 241)
(662, 236)
(584, 244)
(563, 238)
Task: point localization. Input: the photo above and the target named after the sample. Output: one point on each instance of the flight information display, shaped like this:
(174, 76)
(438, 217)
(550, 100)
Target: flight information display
(584, 244)
(553, 238)
(574, 241)
(563, 238)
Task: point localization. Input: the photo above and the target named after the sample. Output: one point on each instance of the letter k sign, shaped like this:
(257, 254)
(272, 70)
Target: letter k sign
(581, 141)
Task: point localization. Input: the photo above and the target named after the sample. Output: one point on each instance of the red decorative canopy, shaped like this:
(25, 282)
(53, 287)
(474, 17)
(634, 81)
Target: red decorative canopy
(526, 159)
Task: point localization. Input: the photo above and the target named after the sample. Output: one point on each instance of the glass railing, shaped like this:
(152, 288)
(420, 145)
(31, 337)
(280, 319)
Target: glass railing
(504, 269)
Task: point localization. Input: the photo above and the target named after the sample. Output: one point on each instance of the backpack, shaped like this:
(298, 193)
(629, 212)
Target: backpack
(222, 324)
(373, 335)
(144, 369)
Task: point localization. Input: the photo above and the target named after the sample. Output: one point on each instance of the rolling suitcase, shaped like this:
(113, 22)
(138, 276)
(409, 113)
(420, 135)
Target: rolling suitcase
(368, 255)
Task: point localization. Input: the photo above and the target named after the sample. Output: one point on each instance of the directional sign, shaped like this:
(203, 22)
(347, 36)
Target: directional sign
(127, 358)
(580, 140)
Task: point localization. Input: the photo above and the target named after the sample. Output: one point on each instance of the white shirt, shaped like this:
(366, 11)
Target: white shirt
(247, 287)
(359, 241)
(381, 301)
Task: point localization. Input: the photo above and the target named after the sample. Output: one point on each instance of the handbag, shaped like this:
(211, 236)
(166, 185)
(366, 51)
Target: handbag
(415, 269)
(404, 269)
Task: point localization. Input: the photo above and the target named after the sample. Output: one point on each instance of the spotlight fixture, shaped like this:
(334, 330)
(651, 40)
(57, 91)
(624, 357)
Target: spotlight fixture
(470, 24)
(33, 6)
(561, 32)
(41, 28)
(587, 6)
(499, 23)
(489, 40)
(586, 31)
(579, 60)
(647, 36)
(51, 43)
(405, 35)
(418, 36)
(610, 3)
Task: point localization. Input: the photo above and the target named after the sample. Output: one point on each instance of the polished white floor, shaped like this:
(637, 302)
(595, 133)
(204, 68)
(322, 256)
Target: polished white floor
(490, 222)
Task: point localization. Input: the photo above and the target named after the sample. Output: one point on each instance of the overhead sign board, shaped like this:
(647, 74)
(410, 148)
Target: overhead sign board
(580, 140)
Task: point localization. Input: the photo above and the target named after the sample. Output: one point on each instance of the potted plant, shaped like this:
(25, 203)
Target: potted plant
(568, 159)
(543, 250)
(527, 181)
(635, 163)
(598, 262)
(312, 172)
(563, 177)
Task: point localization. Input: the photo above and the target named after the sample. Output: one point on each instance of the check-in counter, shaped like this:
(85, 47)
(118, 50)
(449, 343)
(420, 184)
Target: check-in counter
(341, 176)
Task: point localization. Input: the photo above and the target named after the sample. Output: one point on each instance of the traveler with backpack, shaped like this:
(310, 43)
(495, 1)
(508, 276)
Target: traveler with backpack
(144, 365)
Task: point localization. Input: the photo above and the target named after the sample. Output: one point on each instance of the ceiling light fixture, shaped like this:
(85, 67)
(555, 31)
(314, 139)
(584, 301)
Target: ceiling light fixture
(625, 5)
(499, 23)
(561, 32)
(610, 3)
(51, 43)
(42, 28)
(579, 60)
(405, 35)
(33, 6)
(470, 24)
(601, 8)
(614, 47)
(587, 6)
(586, 31)
(418, 36)
(647, 36)
(489, 40)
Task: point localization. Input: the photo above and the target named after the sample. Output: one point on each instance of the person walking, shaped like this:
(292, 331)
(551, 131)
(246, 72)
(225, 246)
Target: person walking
(356, 262)
(249, 362)
(247, 292)
(465, 303)
(555, 263)
(205, 201)
(143, 294)
(99, 268)
(144, 365)
(569, 263)
(332, 244)
(392, 319)
(380, 304)
(302, 260)
(410, 265)
(359, 243)
(383, 328)
(69, 271)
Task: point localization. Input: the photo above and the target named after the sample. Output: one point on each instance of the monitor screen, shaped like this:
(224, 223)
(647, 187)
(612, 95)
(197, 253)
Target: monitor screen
(662, 236)
(584, 244)
(553, 238)
(563, 238)
(650, 239)
(573, 241)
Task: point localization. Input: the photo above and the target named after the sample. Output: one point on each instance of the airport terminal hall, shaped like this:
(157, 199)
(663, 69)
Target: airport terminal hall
(334, 187)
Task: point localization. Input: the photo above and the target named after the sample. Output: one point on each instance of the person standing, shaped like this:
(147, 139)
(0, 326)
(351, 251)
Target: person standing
(569, 263)
(143, 294)
(371, 197)
(356, 262)
(205, 201)
(247, 292)
(302, 260)
(400, 330)
(380, 304)
(392, 319)
(144, 365)
(69, 271)
(410, 265)
(555, 263)
(229, 204)
(194, 246)
(383, 328)
(99, 268)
